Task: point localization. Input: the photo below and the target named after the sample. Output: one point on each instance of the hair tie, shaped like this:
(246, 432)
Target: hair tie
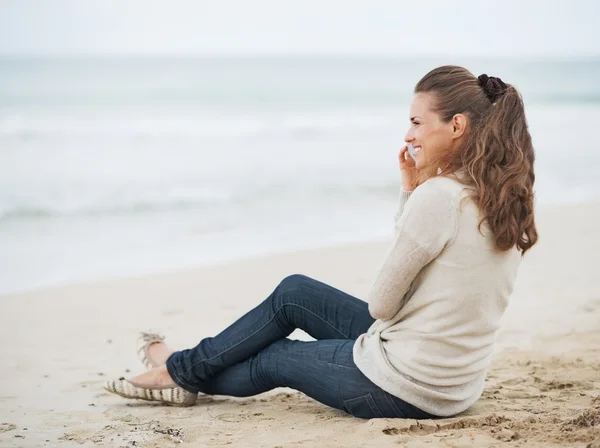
(493, 87)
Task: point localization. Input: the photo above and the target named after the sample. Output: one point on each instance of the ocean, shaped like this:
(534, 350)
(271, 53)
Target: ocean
(125, 166)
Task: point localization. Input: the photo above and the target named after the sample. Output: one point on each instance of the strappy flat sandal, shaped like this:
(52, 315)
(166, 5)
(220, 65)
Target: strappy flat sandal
(145, 340)
(175, 396)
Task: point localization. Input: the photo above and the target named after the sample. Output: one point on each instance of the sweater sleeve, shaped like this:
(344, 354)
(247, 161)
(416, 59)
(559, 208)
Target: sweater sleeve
(427, 223)
(403, 197)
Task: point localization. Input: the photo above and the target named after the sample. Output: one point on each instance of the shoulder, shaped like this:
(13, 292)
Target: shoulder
(434, 200)
(439, 191)
(435, 205)
(448, 187)
(430, 214)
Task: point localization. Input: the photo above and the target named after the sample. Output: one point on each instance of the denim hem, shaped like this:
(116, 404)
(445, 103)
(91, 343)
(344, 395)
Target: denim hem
(176, 377)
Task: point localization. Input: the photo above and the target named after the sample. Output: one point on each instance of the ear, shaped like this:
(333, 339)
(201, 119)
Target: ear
(459, 125)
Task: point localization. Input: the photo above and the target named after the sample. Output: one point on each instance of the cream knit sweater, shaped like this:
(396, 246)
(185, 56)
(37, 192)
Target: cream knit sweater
(438, 299)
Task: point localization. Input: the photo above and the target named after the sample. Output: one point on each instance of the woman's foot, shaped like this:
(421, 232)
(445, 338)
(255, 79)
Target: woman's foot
(152, 350)
(154, 385)
(157, 378)
(158, 353)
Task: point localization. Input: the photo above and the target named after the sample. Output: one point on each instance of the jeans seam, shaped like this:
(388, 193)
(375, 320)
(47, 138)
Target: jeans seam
(368, 398)
(318, 361)
(316, 315)
(263, 326)
(393, 405)
(306, 309)
(373, 405)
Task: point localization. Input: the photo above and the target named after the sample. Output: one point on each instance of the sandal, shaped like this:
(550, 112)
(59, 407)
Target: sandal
(144, 341)
(175, 396)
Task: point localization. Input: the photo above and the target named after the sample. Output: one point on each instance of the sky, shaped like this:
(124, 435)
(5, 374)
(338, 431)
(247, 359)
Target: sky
(371, 27)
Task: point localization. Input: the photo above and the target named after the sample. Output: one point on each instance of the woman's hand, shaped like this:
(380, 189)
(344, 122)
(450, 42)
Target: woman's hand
(408, 170)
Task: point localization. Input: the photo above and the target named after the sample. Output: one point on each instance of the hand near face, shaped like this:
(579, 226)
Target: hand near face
(407, 170)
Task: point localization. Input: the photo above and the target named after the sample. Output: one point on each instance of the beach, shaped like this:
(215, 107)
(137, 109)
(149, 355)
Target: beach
(172, 194)
(59, 344)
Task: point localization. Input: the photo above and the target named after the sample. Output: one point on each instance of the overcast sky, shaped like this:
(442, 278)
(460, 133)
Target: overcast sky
(424, 27)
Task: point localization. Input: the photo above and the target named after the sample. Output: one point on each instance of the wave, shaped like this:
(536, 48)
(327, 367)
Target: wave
(214, 200)
(114, 203)
(192, 126)
(154, 123)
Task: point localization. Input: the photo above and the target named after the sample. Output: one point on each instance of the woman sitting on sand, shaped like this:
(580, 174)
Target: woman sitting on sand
(421, 345)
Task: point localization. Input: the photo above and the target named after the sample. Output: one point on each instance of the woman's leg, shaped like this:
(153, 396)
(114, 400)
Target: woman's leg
(323, 370)
(298, 301)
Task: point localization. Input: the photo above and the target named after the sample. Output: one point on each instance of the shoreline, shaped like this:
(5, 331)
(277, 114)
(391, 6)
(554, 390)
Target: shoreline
(543, 210)
(197, 266)
(60, 343)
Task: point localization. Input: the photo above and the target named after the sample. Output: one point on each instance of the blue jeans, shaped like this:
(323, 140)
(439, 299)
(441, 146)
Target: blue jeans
(253, 355)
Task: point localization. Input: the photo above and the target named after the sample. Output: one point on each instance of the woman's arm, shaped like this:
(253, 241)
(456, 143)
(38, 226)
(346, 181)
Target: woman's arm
(404, 195)
(428, 222)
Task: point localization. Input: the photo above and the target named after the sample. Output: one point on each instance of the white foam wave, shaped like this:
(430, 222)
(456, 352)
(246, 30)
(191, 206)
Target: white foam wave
(213, 126)
(109, 202)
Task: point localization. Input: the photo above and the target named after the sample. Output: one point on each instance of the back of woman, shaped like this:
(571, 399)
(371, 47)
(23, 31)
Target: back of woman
(434, 351)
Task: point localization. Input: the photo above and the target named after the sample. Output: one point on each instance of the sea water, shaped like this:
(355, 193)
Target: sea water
(124, 166)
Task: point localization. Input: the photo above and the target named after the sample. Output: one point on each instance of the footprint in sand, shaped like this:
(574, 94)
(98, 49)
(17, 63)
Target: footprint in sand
(5, 427)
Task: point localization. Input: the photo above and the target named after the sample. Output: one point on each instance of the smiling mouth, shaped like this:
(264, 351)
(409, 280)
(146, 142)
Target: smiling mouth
(417, 148)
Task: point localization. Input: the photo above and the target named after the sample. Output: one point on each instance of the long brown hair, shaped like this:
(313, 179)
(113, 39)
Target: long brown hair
(497, 155)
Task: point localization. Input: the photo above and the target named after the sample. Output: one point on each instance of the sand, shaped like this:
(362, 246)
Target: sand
(59, 344)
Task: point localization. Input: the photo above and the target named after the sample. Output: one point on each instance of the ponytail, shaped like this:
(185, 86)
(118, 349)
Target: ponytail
(500, 162)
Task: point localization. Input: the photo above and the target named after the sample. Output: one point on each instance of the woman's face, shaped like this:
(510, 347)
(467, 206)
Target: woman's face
(430, 136)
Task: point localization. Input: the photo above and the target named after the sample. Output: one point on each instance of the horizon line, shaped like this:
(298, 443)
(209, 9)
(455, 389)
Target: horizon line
(283, 55)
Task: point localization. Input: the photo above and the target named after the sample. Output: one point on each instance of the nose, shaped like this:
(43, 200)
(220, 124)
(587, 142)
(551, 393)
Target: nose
(409, 137)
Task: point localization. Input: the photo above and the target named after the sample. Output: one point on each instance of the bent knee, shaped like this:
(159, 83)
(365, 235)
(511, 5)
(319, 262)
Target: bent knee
(290, 286)
(293, 282)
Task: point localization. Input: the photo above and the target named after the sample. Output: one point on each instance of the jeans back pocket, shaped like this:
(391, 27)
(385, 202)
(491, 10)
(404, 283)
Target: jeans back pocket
(362, 407)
